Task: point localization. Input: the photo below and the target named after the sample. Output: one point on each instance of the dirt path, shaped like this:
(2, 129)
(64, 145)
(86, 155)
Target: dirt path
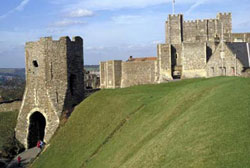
(26, 156)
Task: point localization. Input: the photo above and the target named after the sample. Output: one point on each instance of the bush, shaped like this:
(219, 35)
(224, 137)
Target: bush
(11, 148)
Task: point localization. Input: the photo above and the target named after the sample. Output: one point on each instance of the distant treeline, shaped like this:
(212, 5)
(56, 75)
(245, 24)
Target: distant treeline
(16, 72)
(91, 67)
(21, 71)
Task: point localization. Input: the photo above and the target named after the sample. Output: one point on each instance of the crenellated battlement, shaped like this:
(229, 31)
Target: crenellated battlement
(196, 30)
(224, 14)
(175, 15)
(201, 21)
(65, 39)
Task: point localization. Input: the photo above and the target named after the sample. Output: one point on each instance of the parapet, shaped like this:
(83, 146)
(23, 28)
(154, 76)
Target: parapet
(175, 15)
(225, 14)
(76, 39)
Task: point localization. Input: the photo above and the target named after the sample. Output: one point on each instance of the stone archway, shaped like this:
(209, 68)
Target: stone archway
(37, 123)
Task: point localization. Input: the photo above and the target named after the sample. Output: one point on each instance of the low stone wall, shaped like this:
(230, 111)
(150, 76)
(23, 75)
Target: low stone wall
(138, 73)
(10, 106)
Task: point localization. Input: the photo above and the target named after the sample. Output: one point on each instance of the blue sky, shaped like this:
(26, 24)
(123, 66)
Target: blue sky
(112, 29)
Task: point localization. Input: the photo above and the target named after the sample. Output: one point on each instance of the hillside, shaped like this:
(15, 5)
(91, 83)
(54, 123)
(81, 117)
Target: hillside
(7, 126)
(190, 123)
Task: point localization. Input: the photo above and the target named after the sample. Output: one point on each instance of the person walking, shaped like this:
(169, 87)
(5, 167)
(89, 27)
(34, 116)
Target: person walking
(41, 144)
(38, 145)
(19, 161)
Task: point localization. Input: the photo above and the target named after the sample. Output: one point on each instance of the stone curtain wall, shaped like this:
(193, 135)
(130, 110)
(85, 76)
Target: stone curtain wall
(239, 37)
(200, 30)
(118, 74)
(194, 60)
(6, 107)
(110, 74)
(138, 73)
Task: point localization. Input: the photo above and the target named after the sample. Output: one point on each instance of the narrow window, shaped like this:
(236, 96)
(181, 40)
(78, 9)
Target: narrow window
(35, 63)
(212, 71)
(51, 71)
(221, 71)
(56, 96)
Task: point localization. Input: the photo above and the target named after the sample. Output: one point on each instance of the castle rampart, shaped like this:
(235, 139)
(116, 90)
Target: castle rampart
(118, 74)
(193, 48)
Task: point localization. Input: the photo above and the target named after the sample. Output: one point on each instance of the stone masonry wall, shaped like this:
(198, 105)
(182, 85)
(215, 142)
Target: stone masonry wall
(239, 37)
(174, 32)
(138, 73)
(164, 62)
(178, 30)
(50, 82)
(110, 74)
(6, 107)
(228, 66)
(194, 60)
(102, 75)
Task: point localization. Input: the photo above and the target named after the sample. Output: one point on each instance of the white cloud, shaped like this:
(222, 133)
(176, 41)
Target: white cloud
(81, 13)
(20, 7)
(127, 19)
(195, 5)
(117, 4)
(65, 23)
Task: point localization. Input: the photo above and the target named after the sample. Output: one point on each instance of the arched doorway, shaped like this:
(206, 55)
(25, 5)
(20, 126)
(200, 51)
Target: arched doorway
(36, 128)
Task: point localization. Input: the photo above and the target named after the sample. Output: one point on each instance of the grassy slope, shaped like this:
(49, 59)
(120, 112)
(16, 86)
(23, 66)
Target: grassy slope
(191, 123)
(7, 126)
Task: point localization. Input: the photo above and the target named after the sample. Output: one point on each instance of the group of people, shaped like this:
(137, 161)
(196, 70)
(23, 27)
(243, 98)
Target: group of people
(40, 144)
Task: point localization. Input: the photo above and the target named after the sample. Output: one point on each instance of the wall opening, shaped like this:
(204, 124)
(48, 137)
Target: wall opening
(37, 123)
(212, 71)
(35, 63)
(223, 71)
(209, 53)
(72, 83)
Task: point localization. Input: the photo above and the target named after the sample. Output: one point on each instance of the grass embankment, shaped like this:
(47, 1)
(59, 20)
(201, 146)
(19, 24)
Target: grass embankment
(190, 123)
(7, 126)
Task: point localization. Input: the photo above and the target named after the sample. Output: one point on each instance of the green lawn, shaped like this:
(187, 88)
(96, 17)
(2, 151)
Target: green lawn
(7, 126)
(190, 123)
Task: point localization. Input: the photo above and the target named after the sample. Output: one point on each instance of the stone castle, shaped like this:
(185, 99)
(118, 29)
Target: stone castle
(54, 69)
(54, 85)
(199, 48)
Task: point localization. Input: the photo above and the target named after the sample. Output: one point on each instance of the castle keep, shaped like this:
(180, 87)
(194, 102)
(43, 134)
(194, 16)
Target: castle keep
(54, 84)
(199, 48)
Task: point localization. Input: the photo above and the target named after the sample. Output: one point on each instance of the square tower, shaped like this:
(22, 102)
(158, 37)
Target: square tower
(174, 29)
(54, 84)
